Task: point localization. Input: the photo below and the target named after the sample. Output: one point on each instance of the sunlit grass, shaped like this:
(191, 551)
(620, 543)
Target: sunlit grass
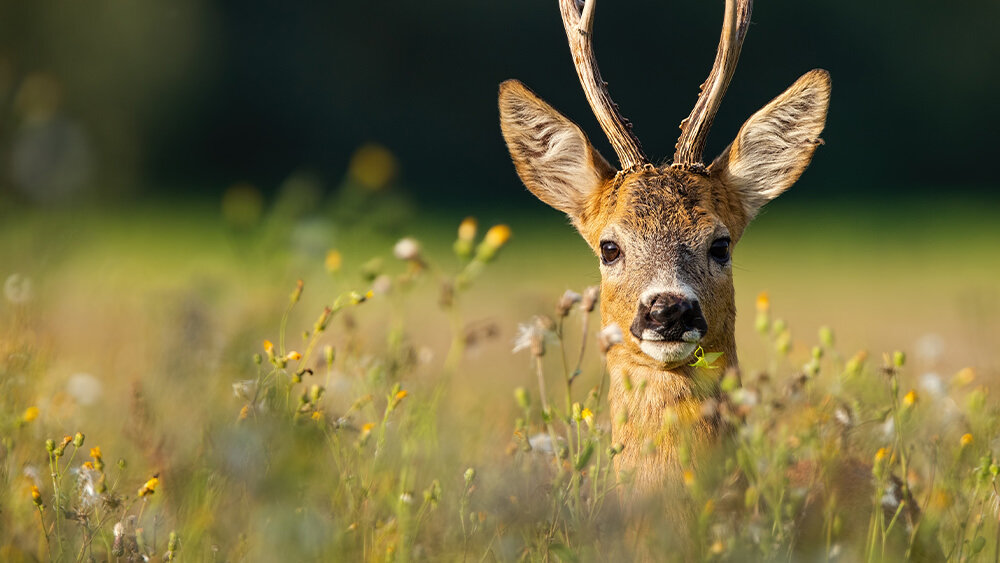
(396, 424)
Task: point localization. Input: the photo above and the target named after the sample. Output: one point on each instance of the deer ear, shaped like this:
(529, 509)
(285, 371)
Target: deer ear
(552, 155)
(776, 144)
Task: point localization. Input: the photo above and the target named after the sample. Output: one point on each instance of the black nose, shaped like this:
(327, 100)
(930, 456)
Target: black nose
(670, 316)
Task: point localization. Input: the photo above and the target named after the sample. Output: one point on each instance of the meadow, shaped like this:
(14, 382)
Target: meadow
(183, 383)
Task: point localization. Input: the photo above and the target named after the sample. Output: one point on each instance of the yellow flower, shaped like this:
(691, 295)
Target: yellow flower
(244, 412)
(30, 413)
(965, 440)
(587, 415)
(316, 415)
(88, 465)
(149, 487)
(36, 496)
(880, 455)
(367, 427)
(497, 236)
(763, 302)
(334, 261)
(910, 398)
(965, 376)
(688, 477)
(293, 355)
(467, 229)
(401, 394)
(95, 452)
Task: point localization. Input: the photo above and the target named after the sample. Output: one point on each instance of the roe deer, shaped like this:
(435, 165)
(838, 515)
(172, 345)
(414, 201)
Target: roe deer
(664, 234)
(665, 237)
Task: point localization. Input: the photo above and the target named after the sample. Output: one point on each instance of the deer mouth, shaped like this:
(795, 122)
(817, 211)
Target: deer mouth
(669, 354)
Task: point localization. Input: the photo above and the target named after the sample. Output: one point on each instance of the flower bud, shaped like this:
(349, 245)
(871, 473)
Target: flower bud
(78, 439)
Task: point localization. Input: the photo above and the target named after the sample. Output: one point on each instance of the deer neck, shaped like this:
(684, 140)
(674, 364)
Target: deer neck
(654, 410)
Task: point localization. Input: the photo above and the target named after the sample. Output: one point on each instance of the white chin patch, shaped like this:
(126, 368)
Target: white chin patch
(670, 353)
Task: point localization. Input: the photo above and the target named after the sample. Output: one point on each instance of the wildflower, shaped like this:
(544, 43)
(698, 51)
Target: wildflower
(366, 432)
(382, 285)
(610, 336)
(149, 487)
(297, 292)
(50, 445)
(522, 398)
(407, 249)
(293, 355)
(269, 349)
(910, 398)
(61, 448)
(333, 261)
(30, 414)
(245, 389)
(466, 234)
(317, 415)
(763, 302)
(880, 455)
(566, 302)
(173, 546)
(244, 413)
(688, 477)
(78, 439)
(84, 388)
(898, 359)
(323, 320)
(470, 474)
(591, 295)
(87, 484)
(495, 238)
(964, 377)
(530, 337)
(965, 440)
(18, 289)
(588, 416)
(36, 497)
(826, 336)
(398, 398)
(95, 453)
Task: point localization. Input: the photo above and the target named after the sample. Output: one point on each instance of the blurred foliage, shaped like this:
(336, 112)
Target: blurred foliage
(190, 96)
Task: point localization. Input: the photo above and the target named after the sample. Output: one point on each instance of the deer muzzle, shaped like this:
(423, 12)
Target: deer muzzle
(670, 317)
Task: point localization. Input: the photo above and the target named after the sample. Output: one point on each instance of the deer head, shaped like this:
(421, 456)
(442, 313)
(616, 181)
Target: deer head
(664, 234)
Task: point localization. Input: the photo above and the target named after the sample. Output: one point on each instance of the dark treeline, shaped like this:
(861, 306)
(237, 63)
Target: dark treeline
(185, 93)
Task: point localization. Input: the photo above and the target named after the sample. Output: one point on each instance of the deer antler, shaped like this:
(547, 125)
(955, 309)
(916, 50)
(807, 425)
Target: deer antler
(694, 129)
(579, 31)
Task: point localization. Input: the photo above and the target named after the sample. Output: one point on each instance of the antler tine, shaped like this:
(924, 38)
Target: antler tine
(694, 129)
(579, 32)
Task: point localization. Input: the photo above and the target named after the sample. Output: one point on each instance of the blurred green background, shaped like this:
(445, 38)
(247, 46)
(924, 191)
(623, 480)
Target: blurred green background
(161, 144)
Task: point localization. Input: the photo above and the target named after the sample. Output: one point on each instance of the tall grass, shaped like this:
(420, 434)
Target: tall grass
(331, 444)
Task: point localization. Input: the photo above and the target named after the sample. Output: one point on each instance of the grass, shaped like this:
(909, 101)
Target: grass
(416, 434)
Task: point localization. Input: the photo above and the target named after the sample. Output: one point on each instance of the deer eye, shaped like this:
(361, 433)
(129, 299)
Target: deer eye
(720, 249)
(610, 252)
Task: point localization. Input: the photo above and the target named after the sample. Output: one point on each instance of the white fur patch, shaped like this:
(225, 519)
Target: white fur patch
(670, 354)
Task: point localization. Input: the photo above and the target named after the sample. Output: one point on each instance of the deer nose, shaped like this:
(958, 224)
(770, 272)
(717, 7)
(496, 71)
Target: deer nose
(671, 317)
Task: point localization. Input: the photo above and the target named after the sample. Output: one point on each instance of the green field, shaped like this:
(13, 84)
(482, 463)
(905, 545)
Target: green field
(163, 306)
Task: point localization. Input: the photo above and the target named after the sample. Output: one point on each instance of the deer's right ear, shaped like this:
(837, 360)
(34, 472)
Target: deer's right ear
(552, 155)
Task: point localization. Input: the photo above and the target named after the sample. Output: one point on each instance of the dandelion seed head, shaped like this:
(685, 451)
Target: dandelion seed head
(18, 289)
(84, 388)
(406, 249)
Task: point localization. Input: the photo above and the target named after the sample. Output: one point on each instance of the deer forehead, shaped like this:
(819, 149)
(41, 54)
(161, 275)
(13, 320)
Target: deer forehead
(662, 212)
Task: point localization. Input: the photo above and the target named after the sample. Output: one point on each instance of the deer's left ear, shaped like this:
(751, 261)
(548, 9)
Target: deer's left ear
(776, 144)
